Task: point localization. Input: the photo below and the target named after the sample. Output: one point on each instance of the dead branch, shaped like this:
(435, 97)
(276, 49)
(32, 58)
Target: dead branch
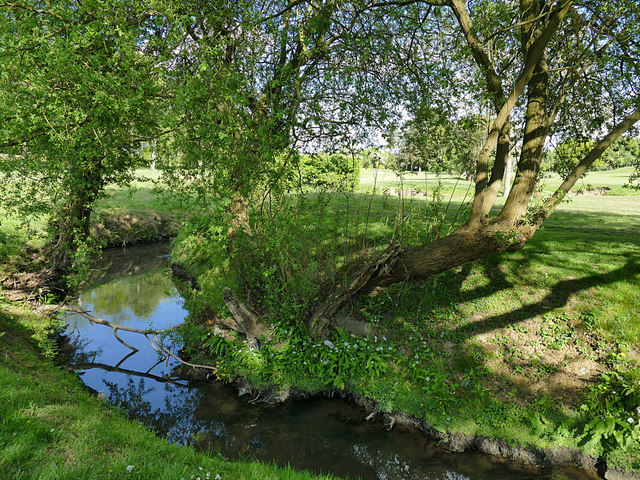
(157, 345)
(385, 262)
(245, 320)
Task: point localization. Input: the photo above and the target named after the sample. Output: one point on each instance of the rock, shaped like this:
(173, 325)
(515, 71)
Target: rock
(615, 474)
(459, 442)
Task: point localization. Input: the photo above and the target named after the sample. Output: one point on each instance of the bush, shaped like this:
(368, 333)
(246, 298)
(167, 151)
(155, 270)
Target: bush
(330, 171)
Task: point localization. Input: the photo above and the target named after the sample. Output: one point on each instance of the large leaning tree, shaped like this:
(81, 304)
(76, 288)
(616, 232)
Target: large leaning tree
(268, 74)
(79, 92)
(554, 68)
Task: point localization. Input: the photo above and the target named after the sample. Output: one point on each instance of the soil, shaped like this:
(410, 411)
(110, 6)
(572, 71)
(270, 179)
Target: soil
(115, 230)
(594, 191)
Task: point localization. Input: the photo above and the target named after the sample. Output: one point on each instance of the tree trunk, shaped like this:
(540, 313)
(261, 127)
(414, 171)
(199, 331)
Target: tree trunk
(508, 176)
(73, 226)
(398, 264)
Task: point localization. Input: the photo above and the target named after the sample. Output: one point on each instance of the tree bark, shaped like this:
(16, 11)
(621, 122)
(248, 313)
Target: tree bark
(398, 264)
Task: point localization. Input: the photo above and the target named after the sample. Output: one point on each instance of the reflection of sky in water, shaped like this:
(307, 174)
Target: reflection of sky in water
(320, 434)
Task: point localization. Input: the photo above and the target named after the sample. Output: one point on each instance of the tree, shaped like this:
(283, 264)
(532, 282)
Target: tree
(566, 156)
(254, 80)
(79, 94)
(567, 59)
(433, 142)
(260, 78)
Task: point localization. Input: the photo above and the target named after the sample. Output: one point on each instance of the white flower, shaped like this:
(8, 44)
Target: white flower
(218, 477)
(129, 468)
(630, 421)
(329, 344)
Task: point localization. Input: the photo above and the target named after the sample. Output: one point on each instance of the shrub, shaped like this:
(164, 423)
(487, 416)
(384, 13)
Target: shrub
(330, 171)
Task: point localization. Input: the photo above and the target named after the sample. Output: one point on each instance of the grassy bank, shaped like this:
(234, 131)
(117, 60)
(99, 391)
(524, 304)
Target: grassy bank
(51, 428)
(539, 347)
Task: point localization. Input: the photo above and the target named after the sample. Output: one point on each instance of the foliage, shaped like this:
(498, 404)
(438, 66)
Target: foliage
(624, 153)
(432, 141)
(330, 171)
(614, 401)
(202, 246)
(566, 156)
(78, 94)
(280, 261)
(289, 356)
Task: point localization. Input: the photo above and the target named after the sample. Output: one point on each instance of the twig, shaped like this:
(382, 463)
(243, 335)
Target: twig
(158, 346)
(194, 365)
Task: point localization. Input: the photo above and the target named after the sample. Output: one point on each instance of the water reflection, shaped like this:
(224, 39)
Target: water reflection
(321, 435)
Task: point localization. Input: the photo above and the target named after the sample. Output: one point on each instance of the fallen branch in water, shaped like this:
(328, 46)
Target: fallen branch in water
(110, 368)
(157, 346)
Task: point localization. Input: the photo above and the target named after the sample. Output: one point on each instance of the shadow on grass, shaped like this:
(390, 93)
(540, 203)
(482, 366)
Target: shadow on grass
(556, 298)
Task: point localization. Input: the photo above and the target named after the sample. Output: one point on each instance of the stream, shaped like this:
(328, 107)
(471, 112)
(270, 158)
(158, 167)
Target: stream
(322, 435)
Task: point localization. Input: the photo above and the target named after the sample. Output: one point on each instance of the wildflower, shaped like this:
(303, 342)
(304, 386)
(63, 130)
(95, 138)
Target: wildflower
(129, 468)
(218, 477)
(329, 344)
(630, 421)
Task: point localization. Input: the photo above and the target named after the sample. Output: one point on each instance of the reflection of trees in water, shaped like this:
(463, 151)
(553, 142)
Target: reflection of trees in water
(173, 419)
(140, 294)
(118, 263)
(78, 349)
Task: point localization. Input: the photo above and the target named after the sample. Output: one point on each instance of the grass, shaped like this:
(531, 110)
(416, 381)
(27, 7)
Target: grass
(510, 347)
(615, 180)
(51, 428)
(139, 198)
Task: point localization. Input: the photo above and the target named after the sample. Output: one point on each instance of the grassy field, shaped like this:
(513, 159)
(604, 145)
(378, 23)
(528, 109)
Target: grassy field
(614, 180)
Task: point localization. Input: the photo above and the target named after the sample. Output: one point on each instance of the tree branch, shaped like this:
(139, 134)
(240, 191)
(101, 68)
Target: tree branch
(158, 344)
(587, 161)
